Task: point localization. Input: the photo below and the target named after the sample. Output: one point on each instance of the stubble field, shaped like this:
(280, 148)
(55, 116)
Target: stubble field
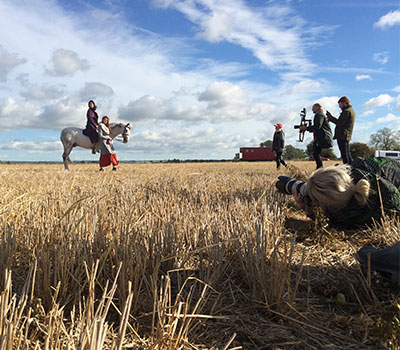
(182, 256)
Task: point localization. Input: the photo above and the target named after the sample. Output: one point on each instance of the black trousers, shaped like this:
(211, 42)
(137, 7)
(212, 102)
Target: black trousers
(317, 154)
(279, 160)
(344, 148)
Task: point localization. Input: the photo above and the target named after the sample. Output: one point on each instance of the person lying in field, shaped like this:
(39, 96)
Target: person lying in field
(349, 195)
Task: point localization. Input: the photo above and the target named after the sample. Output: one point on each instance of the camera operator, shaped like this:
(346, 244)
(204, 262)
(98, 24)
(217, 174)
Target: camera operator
(349, 195)
(344, 128)
(322, 133)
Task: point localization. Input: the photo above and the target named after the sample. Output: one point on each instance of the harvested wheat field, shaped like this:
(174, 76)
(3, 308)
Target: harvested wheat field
(182, 256)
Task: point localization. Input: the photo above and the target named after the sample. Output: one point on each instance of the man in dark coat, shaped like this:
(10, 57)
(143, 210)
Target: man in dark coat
(92, 125)
(322, 133)
(278, 144)
(344, 128)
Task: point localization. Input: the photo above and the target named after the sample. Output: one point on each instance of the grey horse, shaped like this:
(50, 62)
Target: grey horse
(73, 137)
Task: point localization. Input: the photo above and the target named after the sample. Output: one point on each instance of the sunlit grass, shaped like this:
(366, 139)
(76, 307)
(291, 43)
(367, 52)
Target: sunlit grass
(160, 256)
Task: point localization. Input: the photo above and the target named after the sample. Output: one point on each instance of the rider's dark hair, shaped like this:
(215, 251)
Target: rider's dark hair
(93, 104)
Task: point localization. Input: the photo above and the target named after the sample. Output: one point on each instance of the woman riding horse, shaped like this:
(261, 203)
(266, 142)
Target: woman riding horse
(92, 125)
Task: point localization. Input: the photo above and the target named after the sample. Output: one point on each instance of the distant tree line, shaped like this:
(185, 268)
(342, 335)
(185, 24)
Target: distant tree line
(383, 139)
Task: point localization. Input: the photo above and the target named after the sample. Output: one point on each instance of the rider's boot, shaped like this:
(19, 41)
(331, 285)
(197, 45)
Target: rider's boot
(94, 149)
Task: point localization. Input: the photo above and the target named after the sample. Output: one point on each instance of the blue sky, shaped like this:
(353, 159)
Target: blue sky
(196, 78)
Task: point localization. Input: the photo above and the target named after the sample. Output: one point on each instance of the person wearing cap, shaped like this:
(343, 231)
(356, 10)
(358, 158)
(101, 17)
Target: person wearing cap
(278, 145)
(92, 125)
(322, 133)
(344, 128)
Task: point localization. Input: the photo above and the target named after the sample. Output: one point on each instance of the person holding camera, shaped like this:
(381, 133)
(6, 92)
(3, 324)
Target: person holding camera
(349, 195)
(344, 128)
(322, 133)
(278, 145)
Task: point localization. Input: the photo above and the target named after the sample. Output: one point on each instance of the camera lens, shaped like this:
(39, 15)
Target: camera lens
(300, 187)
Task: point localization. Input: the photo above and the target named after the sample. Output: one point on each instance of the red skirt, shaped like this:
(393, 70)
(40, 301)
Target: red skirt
(107, 159)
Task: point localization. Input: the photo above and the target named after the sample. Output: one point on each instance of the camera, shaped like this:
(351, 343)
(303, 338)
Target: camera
(286, 184)
(303, 121)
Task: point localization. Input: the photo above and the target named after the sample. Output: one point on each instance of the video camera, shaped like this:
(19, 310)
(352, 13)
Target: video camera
(303, 121)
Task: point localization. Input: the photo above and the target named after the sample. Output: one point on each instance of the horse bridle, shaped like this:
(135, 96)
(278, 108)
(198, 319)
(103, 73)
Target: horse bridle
(124, 137)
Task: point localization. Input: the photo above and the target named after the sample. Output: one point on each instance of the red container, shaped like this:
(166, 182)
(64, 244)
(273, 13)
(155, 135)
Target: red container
(257, 153)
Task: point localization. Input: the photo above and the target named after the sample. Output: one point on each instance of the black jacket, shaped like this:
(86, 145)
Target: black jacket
(278, 141)
(321, 130)
(383, 174)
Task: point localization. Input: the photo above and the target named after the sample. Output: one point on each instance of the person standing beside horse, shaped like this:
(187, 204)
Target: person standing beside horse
(92, 125)
(107, 152)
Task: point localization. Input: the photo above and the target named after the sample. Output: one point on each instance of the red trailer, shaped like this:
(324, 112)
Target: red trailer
(257, 153)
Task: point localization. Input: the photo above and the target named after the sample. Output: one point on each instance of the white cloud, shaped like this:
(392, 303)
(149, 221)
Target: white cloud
(31, 146)
(223, 102)
(18, 116)
(306, 86)
(396, 89)
(42, 92)
(275, 35)
(389, 20)
(388, 118)
(363, 77)
(184, 142)
(55, 116)
(381, 57)
(69, 111)
(93, 90)
(364, 126)
(329, 103)
(398, 103)
(66, 62)
(149, 109)
(378, 101)
(367, 113)
(223, 94)
(8, 61)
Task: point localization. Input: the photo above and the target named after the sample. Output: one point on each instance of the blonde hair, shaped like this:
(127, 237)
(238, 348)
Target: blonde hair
(333, 187)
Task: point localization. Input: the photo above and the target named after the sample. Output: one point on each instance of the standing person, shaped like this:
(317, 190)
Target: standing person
(278, 145)
(344, 128)
(322, 133)
(107, 152)
(91, 125)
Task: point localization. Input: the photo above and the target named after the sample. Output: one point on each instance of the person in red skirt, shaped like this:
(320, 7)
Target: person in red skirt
(107, 152)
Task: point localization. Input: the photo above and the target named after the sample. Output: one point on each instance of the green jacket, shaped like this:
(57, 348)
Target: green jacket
(322, 131)
(383, 174)
(344, 124)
